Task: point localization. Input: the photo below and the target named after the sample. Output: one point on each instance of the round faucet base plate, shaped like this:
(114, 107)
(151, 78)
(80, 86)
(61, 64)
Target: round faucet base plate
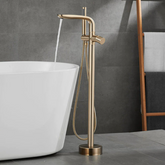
(85, 150)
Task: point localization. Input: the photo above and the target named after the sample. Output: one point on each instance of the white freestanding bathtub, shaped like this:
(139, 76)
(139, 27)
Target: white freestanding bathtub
(35, 103)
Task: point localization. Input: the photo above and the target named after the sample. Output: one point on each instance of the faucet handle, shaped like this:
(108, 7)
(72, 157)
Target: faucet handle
(98, 39)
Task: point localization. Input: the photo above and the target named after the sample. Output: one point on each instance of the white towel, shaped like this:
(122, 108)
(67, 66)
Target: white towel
(154, 52)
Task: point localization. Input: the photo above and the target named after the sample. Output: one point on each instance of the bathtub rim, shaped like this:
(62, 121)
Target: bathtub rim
(74, 67)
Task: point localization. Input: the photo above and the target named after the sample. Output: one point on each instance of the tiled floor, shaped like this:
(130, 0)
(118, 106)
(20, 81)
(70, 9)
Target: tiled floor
(137, 148)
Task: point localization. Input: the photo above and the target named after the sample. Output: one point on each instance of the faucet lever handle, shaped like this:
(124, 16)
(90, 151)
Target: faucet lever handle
(98, 39)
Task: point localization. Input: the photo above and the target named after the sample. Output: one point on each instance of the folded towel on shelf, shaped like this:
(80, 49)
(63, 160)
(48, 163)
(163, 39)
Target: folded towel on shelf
(154, 52)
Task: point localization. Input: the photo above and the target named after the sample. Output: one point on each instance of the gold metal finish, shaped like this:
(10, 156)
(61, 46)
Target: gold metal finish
(90, 91)
(77, 95)
(85, 44)
(90, 148)
(67, 16)
(85, 150)
(84, 21)
(97, 39)
(80, 76)
(85, 38)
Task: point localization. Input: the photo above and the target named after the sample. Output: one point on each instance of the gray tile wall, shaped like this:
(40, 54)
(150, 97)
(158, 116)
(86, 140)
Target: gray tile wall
(28, 30)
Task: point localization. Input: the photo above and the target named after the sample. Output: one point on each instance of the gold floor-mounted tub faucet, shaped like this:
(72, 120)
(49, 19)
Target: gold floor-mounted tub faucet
(90, 148)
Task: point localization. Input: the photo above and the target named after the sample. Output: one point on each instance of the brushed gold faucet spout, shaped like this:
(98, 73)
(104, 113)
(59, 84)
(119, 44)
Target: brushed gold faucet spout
(68, 16)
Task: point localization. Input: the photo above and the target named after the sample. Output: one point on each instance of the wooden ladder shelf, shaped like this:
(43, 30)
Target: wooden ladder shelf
(141, 69)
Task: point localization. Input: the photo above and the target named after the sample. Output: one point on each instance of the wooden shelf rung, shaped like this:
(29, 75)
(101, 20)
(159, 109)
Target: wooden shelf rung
(155, 114)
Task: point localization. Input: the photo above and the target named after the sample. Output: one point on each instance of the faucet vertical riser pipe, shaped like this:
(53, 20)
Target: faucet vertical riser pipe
(90, 95)
(84, 21)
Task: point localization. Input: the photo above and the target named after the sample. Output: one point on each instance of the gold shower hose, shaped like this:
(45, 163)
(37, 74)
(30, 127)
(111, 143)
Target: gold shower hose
(85, 45)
